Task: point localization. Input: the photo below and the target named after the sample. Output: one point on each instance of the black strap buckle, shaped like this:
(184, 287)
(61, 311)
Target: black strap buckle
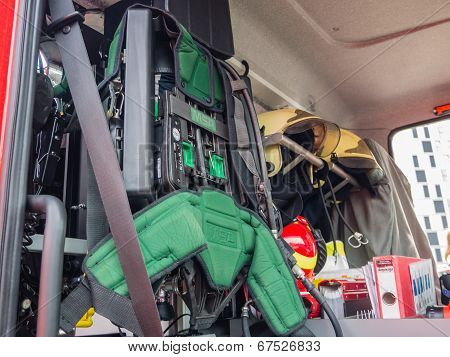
(69, 19)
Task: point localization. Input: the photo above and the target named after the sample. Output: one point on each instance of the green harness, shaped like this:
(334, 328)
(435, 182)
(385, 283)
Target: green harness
(209, 226)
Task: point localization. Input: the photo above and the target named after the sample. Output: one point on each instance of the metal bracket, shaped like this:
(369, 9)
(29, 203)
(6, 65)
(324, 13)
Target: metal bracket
(67, 20)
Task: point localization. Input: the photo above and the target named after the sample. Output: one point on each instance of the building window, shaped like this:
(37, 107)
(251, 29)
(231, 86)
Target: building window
(426, 191)
(427, 222)
(420, 175)
(438, 191)
(432, 162)
(433, 238)
(427, 146)
(426, 132)
(415, 161)
(444, 222)
(439, 206)
(414, 131)
(437, 251)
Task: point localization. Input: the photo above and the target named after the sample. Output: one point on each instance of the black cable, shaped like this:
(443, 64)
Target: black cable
(183, 331)
(174, 322)
(333, 236)
(333, 195)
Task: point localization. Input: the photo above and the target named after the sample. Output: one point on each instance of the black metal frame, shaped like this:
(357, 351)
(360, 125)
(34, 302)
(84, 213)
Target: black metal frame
(204, 303)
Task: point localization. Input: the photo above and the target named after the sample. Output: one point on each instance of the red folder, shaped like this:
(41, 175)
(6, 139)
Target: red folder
(394, 288)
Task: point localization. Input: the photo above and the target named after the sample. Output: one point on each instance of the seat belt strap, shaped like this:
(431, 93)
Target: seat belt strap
(75, 305)
(105, 165)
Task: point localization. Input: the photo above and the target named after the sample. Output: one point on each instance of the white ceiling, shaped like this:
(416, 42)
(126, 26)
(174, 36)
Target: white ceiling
(301, 47)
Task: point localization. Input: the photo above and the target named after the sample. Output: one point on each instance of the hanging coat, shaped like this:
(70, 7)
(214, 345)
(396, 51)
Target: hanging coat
(386, 217)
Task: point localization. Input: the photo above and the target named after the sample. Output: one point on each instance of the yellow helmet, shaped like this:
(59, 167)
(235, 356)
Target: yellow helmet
(353, 152)
(290, 121)
(355, 157)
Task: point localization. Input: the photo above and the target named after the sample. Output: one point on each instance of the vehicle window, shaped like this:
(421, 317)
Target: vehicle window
(423, 154)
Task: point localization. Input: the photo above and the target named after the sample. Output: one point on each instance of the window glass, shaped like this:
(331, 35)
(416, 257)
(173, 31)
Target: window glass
(432, 162)
(438, 255)
(420, 176)
(439, 206)
(423, 155)
(444, 222)
(426, 145)
(432, 238)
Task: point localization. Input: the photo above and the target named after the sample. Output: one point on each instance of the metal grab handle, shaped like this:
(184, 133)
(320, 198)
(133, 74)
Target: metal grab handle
(50, 283)
(290, 144)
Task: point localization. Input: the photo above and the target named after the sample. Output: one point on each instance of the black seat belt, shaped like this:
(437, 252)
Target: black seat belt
(104, 162)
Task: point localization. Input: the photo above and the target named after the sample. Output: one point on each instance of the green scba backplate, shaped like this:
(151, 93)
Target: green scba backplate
(203, 120)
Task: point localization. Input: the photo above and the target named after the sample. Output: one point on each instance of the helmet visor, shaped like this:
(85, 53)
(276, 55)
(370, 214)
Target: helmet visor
(326, 134)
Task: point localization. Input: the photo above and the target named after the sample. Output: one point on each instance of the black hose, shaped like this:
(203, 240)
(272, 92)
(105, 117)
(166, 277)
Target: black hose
(245, 328)
(334, 321)
(321, 300)
(244, 319)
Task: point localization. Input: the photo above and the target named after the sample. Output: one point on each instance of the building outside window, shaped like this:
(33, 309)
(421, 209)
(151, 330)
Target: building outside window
(426, 164)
